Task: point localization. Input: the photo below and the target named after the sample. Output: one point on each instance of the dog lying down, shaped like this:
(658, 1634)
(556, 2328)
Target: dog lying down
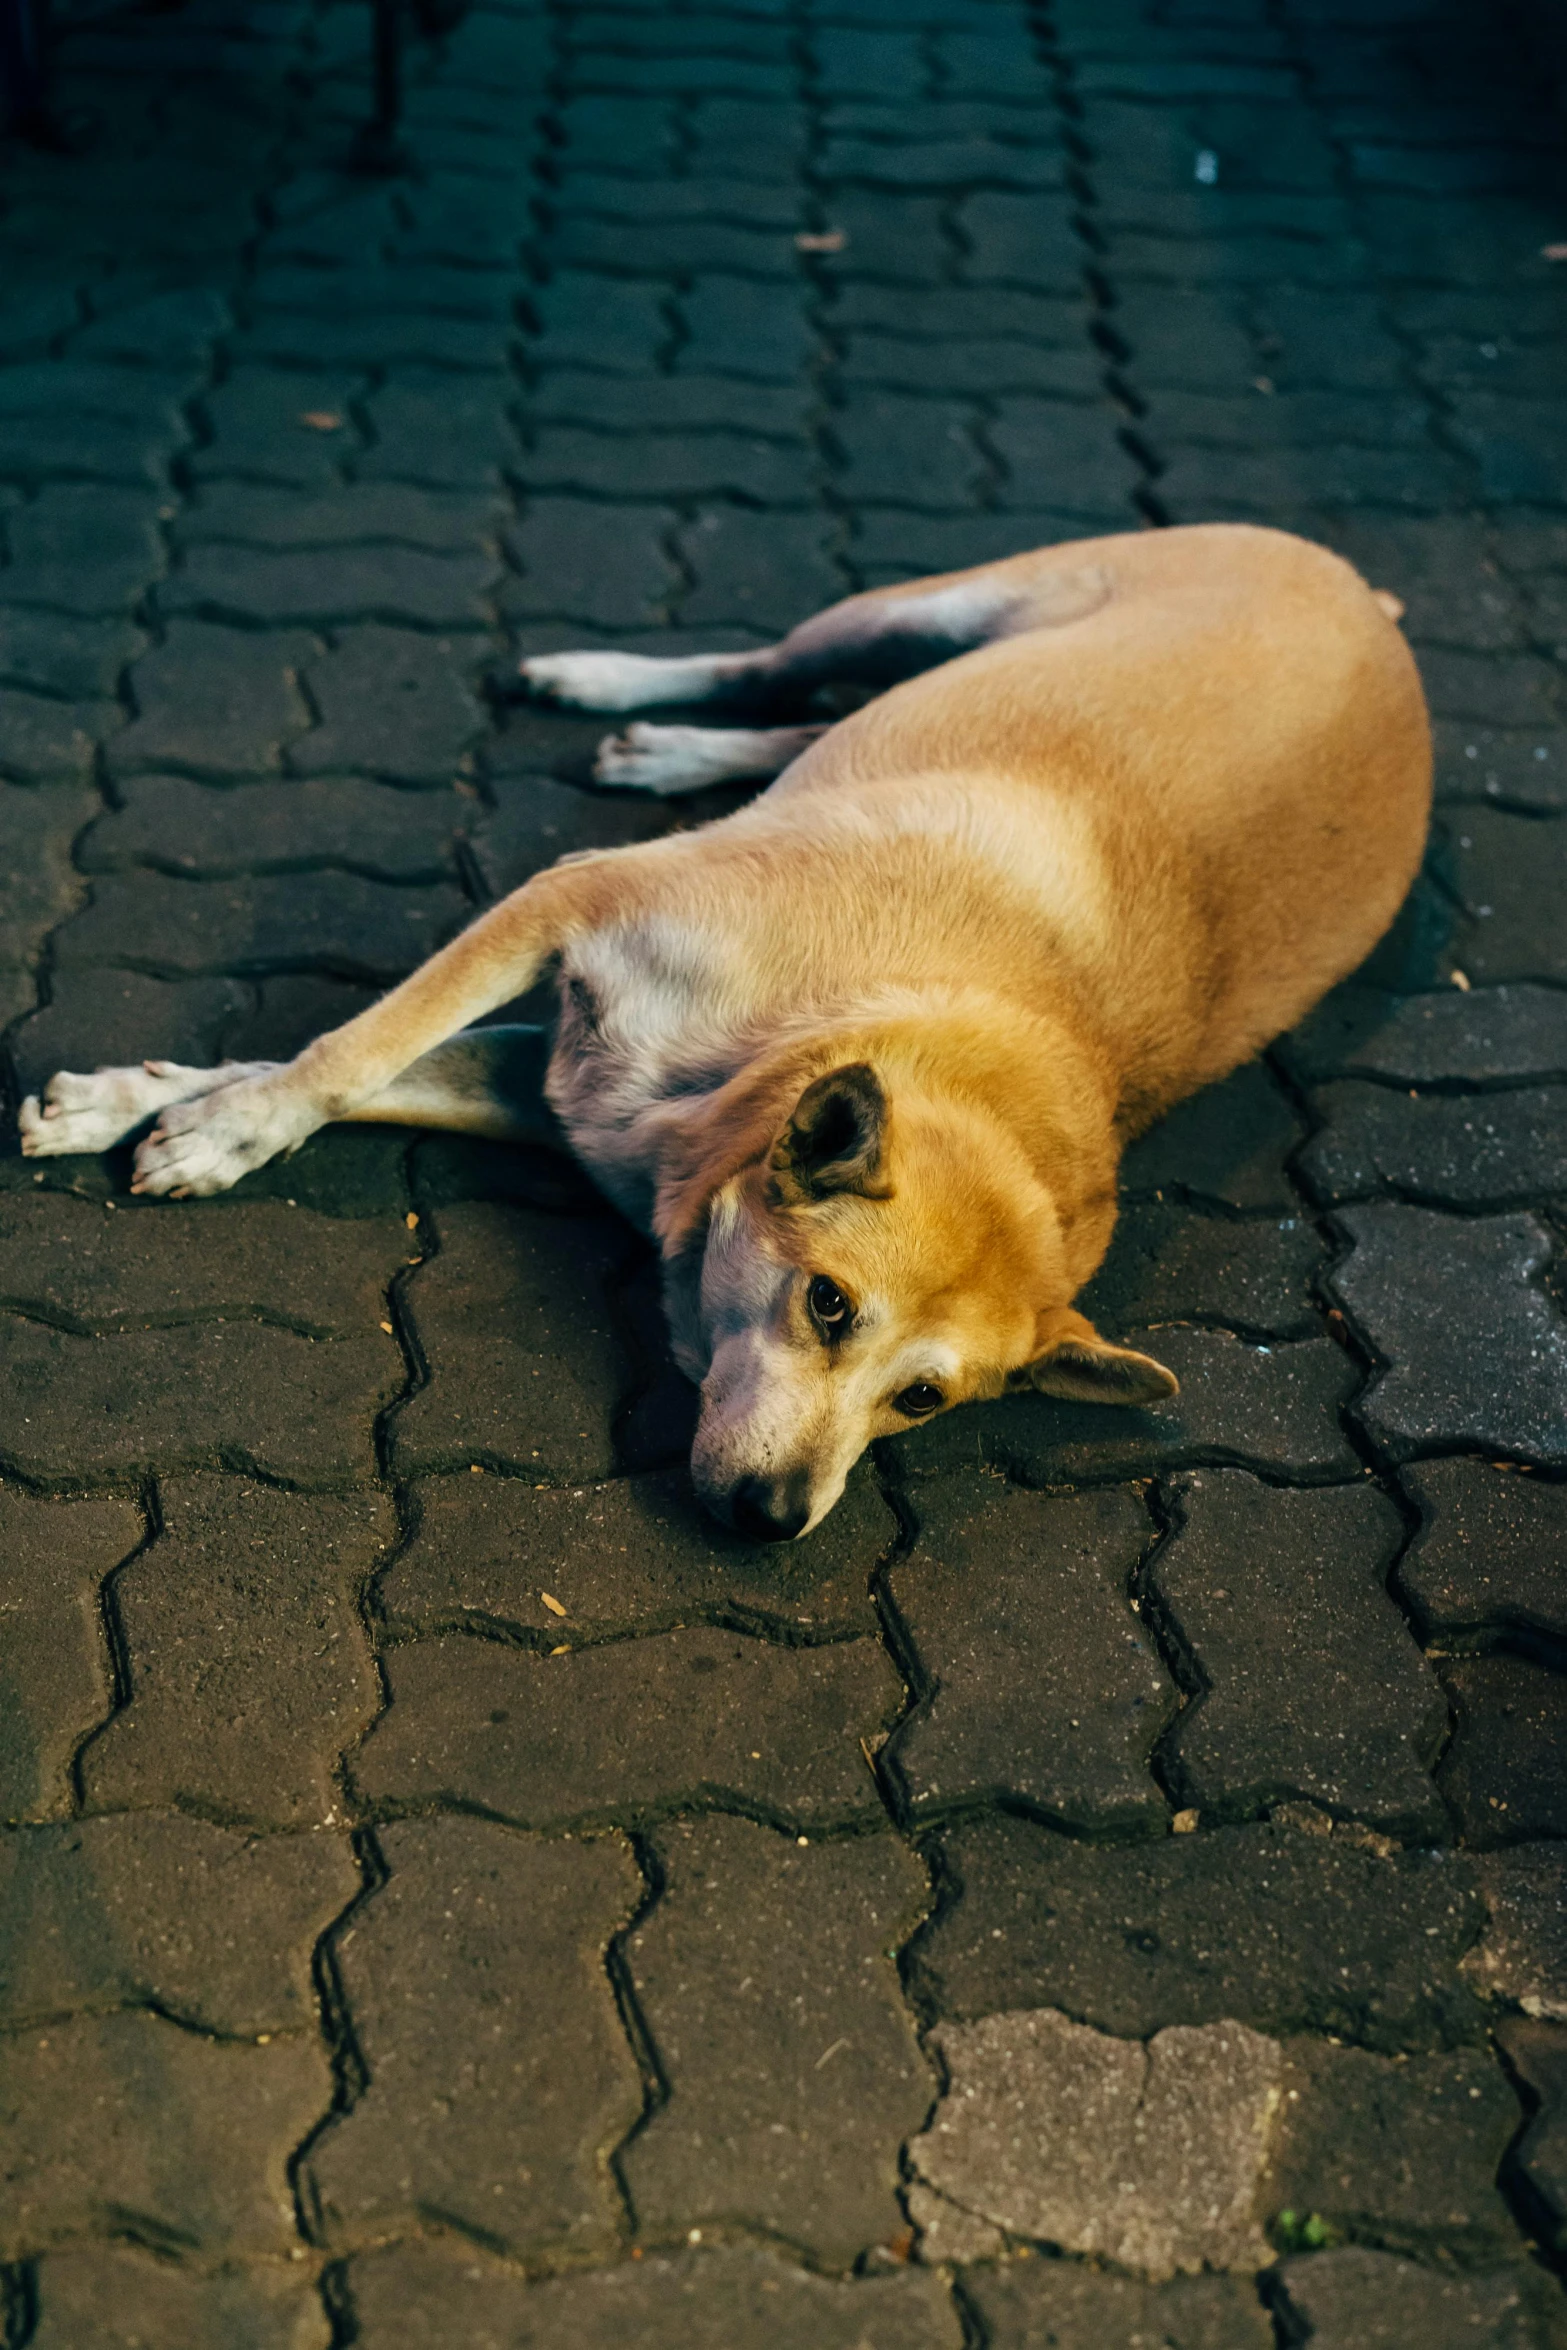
(863, 1056)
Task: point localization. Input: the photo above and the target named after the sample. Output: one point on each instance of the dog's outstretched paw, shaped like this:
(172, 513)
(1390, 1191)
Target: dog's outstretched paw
(93, 1113)
(204, 1146)
(666, 760)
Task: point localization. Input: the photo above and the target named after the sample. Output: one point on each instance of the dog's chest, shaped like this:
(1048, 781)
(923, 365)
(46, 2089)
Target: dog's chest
(648, 1011)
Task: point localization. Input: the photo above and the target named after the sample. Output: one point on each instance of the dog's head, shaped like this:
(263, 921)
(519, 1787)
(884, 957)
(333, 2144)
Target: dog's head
(876, 1262)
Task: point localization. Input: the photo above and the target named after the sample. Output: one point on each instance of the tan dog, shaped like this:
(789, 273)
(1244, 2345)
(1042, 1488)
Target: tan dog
(864, 1056)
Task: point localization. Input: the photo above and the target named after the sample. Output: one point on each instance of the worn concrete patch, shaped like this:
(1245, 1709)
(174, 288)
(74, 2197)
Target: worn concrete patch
(1147, 2156)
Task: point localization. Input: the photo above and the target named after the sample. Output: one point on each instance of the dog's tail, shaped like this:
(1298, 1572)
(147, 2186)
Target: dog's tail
(1392, 605)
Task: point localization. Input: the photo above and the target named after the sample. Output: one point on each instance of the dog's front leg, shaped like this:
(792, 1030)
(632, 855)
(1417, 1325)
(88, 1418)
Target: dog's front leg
(206, 1144)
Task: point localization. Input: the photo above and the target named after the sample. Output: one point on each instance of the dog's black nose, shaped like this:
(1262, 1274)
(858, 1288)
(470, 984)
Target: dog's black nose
(766, 1513)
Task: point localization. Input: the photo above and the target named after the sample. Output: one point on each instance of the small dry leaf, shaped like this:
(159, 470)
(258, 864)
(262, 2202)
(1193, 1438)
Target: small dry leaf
(1184, 1823)
(563, 1650)
(475, 1469)
(412, 1221)
(387, 1327)
(552, 1603)
(1553, 252)
(830, 240)
(321, 420)
(1460, 979)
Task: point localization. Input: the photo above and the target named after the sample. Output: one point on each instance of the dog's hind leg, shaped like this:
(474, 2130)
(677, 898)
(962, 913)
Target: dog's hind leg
(876, 639)
(670, 760)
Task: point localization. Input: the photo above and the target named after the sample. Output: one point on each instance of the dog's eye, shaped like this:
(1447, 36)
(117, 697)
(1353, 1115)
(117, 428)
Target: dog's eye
(828, 1303)
(919, 1400)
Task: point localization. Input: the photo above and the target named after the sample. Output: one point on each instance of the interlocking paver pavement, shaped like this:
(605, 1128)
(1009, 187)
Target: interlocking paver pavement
(448, 1890)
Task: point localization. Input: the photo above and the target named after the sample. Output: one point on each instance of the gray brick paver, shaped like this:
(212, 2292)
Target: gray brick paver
(119, 2300)
(489, 2120)
(1041, 1685)
(291, 465)
(1287, 1928)
(1250, 1571)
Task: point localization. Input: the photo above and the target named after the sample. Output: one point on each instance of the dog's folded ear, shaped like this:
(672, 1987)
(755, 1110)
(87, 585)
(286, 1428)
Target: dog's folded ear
(1079, 1365)
(835, 1140)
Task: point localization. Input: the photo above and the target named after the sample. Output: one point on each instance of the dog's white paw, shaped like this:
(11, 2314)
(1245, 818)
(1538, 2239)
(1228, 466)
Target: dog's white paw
(93, 1113)
(204, 1146)
(596, 681)
(662, 759)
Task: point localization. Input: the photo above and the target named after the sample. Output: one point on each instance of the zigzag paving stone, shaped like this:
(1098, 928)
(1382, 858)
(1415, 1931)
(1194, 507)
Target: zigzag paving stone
(1357, 2299)
(1044, 1687)
(439, 433)
(125, 2124)
(78, 660)
(1476, 1353)
(321, 587)
(1491, 1550)
(1029, 2303)
(1167, 1265)
(1358, 1719)
(357, 514)
(1461, 1150)
(1274, 1408)
(633, 1728)
(1402, 2153)
(123, 2301)
(210, 1927)
(638, 1555)
(473, 2112)
(1148, 2157)
(407, 2296)
(102, 1269)
(247, 1664)
(512, 1318)
(1510, 872)
(393, 703)
(1229, 1143)
(218, 701)
(1537, 2053)
(765, 1974)
(1522, 1956)
(1288, 1932)
(1502, 1774)
(113, 1019)
(534, 820)
(190, 828)
(271, 425)
(38, 888)
(54, 1658)
(755, 571)
(46, 741)
(75, 548)
(1488, 1035)
(276, 922)
(605, 566)
(1523, 768)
